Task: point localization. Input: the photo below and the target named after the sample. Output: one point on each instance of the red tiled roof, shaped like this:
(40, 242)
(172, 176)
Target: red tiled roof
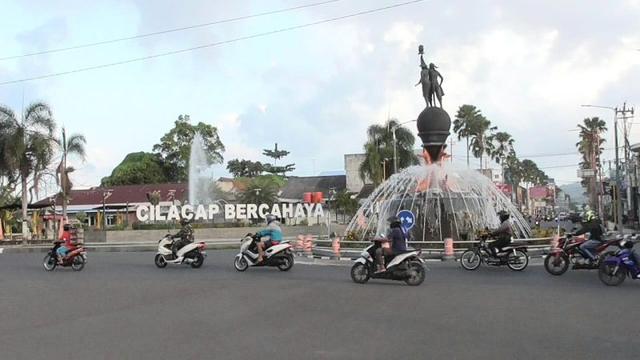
(123, 194)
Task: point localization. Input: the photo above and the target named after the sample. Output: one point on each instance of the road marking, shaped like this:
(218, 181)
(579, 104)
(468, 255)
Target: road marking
(1, 250)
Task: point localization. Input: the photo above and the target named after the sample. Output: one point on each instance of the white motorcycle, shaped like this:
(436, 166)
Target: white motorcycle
(279, 255)
(192, 254)
(407, 267)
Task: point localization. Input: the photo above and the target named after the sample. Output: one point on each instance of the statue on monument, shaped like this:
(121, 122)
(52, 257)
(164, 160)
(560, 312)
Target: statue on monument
(431, 81)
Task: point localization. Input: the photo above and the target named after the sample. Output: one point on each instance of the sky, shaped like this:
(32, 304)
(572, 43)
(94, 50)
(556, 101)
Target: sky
(527, 65)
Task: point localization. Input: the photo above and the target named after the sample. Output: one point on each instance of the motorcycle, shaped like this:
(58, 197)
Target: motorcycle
(76, 257)
(615, 268)
(568, 251)
(515, 257)
(192, 254)
(279, 255)
(407, 267)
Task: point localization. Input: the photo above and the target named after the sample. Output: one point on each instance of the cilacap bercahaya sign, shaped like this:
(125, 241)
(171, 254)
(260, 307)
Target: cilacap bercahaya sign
(231, 211)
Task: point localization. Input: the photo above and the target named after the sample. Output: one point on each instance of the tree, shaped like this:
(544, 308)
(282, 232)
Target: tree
(262, 190)
(502, 148)
(590, 146)
(480, 133)
(245, 168)
(74, 145)
(137, 168)
(346, 203)
(466, 116)
(27, 147)
(276, 155)
(175, 147)
(378, 163)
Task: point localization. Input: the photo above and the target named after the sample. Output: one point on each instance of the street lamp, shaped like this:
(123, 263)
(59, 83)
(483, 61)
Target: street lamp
(616, 111)
(395, 151)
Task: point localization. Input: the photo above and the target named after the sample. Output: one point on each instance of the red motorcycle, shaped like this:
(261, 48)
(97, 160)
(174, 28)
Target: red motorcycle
(568, 251)
(76, 257)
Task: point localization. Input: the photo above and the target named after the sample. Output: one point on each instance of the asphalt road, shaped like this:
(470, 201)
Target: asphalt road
(122, 307)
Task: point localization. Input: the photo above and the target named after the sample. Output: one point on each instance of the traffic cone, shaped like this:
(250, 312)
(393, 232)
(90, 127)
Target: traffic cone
(335, 245)
(448, 250)
(308, 245)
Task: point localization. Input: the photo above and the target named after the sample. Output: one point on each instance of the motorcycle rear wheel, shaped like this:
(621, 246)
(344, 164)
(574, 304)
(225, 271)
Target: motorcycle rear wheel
(609, 276)
(77, 263)
(518, 261)
(287, 263)
(49, 262)
(416, 274)
(198, 260)
(360, 273)
(470, 260)
(556, 264)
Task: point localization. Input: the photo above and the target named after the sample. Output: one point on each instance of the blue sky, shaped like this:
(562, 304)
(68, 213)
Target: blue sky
(527, 65)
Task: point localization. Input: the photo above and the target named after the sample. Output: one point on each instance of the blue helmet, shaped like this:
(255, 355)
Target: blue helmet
(270, 218)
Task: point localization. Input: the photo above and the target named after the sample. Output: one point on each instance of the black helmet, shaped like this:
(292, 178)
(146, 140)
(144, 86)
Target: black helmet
(394, 221)
(627, 244)
(503, 215)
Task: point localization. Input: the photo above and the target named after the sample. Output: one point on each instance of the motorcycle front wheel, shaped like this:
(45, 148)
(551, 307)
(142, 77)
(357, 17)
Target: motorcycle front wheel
(517, 261)
(241, 263)
(416, 274)
(611, 275)
(286, 263)
(470, 260)
(556, 264)
(360, 273)
(198, 260)
(49, 262)
(77, 263)
(160, 261)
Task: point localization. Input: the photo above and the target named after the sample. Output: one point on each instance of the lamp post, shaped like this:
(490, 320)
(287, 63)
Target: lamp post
(395, 144)
(624, 111)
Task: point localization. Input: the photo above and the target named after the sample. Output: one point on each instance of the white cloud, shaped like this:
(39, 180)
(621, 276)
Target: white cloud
(405, 34)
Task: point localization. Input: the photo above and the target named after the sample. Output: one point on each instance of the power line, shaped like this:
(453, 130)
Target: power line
(167, 31)
(242, 38)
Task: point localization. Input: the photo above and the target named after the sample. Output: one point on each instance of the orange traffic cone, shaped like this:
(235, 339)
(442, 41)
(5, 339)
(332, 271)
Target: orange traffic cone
(308, 245)
(448, 249)
(335, 244)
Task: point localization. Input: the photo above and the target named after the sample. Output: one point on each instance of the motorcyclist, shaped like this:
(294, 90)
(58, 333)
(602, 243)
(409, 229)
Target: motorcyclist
(184, 236)
(64, 249)
(593, 227)
(502, 234)
(398, 241)
(628, 244)
(274, 233)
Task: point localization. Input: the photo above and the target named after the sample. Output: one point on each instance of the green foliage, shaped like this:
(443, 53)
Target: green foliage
(175, 147)
(26, 147)
(345, 203)
(245, 168)
(276, 155)
(137, 168)
(590, 147)
(262, 189)
(81, 217)
(378, 163)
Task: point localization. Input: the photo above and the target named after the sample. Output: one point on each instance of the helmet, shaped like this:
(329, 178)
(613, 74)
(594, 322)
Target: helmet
(627, 244)
(589, 215)
(394, 221)
(270, 218)
(503, 215)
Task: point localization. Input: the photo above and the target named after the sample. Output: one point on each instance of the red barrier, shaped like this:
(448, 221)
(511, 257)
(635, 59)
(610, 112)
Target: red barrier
(318, 198)
(308, 245)
(307, 197)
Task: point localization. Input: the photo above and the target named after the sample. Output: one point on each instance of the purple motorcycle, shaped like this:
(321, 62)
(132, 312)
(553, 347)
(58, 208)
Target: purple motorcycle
(615, 268)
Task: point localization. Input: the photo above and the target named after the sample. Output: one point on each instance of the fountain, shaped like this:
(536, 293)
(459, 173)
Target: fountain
(445, 201)
(200, 174)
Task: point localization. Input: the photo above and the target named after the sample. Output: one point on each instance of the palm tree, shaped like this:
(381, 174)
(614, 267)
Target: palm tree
(481, 141)
(462, 123)
(74, 145)
(378, 164)
(503, 147)
(590, 146)
(27, 147)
